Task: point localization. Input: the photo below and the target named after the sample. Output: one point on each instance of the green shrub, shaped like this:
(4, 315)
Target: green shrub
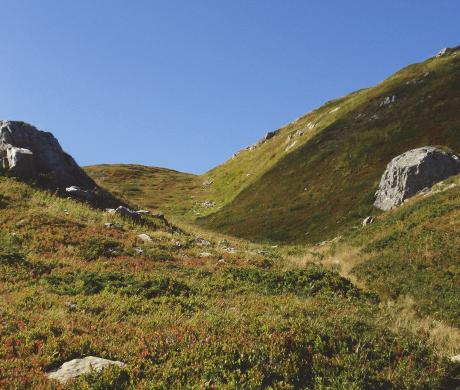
(89, 283)
(95, 248)
(309, 281)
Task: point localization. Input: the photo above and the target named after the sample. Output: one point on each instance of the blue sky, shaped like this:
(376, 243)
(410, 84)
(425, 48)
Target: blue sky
(185, 83)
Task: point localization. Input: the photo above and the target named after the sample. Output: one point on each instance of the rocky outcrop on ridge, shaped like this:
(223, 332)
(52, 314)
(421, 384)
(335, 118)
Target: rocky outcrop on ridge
(28, 152)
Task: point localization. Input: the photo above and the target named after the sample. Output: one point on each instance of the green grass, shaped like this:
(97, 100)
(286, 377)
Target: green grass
(414, 250)
(157, 189)
(230, 320)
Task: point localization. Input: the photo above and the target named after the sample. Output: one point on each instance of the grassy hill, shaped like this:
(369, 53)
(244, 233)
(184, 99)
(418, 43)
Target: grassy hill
(337, 305)
(315, 178)
(158, 189)
(411, 252)
(184, 311)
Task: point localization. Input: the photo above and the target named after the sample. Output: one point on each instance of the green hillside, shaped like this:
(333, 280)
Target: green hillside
(73, 286)
(157, 189)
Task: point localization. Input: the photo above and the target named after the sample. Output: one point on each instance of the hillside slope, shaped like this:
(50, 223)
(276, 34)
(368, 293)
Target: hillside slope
(158, 189)
(76, 281)
(327, 185)
(316, 177)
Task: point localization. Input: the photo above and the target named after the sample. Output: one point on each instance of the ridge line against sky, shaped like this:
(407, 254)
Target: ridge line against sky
(183, 84)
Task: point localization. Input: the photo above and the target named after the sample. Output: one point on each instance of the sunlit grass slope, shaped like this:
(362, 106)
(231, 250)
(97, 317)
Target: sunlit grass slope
(157, 189)
(415, 250)
(72, 286)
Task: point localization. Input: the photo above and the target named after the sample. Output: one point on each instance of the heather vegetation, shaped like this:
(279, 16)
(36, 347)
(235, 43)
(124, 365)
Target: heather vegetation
(257, 274)
(73, 287)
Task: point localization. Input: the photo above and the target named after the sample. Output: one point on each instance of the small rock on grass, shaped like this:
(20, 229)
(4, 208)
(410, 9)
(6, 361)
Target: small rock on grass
(76, 367)
(205, 254)
(145, 237)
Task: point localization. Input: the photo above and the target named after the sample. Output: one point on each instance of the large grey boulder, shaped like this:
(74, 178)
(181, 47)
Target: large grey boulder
(411, 172)
(28, 152)
(76, 367)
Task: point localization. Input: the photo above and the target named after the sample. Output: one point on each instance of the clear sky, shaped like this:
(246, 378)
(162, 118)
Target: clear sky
(185, 83)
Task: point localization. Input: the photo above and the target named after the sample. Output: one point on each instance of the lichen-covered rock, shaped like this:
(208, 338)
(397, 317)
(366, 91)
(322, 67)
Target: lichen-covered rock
(413, 171)
(76, 367)
(26, 151)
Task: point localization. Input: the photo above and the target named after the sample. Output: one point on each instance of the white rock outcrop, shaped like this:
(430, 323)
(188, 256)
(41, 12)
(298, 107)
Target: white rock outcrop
(413, 171)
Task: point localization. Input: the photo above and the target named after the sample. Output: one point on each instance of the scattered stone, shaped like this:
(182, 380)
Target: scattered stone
(202, 242)
(139, 250)
(411, 172)
(447, 50)
(143, 212)
(160, 216)
(78, 193)
(76, 367)
(145, 237)
(442, 52)
(388, 100)
(270, 135)
(208, 203)
(311, 125)
(22, 222)
(455, 359)
(374, 117)
(207, 183)
(205, 254)
(368, 220)
(124, 212)
(230, 250)
(71, 305)
(334, 110)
